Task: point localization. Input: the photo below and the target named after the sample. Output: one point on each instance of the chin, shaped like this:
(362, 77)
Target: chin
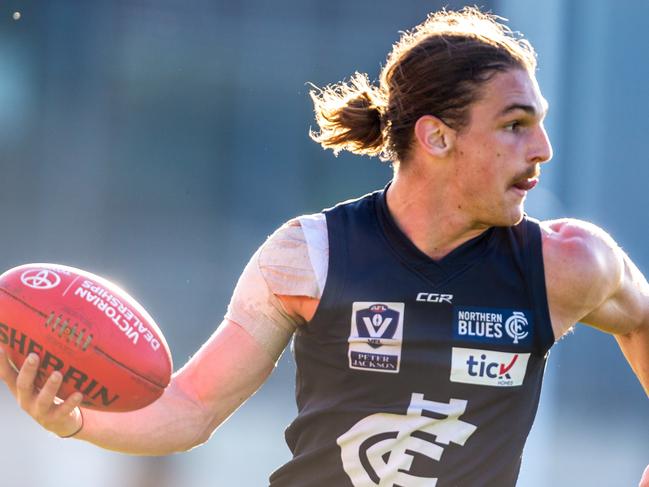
(509, 218)
(516, 217)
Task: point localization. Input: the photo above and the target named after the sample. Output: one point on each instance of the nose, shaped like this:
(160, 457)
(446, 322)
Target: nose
(541, 148)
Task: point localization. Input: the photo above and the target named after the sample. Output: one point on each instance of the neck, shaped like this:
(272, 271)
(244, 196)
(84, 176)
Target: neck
(424, 211)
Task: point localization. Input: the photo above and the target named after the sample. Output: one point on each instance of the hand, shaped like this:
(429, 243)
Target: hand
(644, 481)
(62, 418)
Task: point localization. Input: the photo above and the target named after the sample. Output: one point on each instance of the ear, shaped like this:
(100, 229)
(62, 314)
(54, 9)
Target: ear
(434, 136)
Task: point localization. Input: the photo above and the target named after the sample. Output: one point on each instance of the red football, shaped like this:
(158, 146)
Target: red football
(103, 342)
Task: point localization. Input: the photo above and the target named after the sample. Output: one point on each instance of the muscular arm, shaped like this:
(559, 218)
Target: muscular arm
(591, 280)
(625, 314)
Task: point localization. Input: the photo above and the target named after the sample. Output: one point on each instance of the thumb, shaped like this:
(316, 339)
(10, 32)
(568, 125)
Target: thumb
(8, 372)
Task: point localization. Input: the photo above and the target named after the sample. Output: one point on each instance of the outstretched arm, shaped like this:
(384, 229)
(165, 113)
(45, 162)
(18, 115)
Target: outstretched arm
(277, 290)
(227, 370)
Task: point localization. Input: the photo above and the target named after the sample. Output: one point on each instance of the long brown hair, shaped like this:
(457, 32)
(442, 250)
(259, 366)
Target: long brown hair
(435, 69)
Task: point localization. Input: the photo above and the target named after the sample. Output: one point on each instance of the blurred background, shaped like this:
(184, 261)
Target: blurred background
(157, 143)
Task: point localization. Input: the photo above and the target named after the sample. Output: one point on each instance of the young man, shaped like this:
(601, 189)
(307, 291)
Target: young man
(422, 313)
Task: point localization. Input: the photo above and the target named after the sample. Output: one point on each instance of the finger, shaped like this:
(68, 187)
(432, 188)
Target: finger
(72, 402)
(7, 372)
(25, 381)
(45, 397)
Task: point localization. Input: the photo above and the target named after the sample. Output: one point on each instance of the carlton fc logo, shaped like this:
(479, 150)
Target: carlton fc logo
(493, 325)
(375, 336)
(387, 449)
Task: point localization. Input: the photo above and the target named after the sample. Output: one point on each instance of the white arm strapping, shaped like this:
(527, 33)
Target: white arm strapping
(292, 262)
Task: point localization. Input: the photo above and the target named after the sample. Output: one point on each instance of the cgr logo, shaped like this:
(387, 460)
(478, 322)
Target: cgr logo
(434, 298)
(381, 448)
(488, 367)
(40, 279)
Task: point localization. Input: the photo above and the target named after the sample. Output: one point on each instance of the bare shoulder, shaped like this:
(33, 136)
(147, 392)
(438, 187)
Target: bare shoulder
(583, 267)
(582, 243)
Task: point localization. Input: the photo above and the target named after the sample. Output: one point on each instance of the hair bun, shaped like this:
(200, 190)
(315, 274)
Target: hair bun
(349, 115)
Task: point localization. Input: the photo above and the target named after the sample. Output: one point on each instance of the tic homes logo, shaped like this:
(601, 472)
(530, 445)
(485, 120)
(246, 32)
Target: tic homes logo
(488, 367)
(375, 336)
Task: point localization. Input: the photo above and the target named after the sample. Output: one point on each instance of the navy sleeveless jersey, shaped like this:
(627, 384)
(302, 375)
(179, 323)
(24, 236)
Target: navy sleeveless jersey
(415, 372)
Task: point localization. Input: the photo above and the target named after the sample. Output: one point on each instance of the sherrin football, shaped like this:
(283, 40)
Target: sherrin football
(103, 342)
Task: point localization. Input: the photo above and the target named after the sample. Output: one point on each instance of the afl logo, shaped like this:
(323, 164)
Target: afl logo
(515, 326)
(40, 279)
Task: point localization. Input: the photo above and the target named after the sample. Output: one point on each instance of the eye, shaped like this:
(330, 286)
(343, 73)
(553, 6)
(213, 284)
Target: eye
(514, 126)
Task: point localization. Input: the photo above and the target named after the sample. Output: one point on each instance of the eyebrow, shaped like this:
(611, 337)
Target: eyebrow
(529, 109)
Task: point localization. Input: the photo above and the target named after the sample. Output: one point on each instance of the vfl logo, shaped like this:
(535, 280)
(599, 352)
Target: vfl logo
(378, 321)
(375, 336)
(488, 367)
(379, 450)
(40, 279)
(515, 326)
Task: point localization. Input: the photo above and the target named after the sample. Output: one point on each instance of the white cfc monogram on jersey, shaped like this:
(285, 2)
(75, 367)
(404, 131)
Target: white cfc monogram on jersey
(378, 450)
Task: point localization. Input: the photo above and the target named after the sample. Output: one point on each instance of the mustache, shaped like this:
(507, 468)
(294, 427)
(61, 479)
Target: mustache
(533, 174)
